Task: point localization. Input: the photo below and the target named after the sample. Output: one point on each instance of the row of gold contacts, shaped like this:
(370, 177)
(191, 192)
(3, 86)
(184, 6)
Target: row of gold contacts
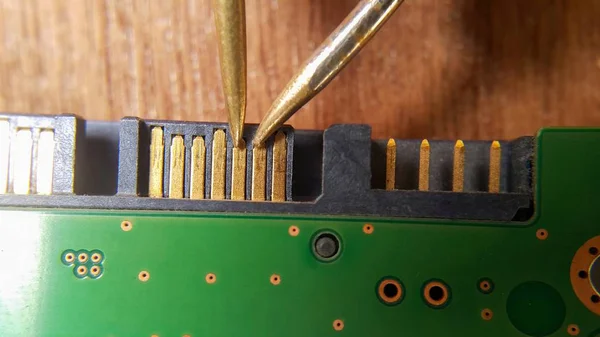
(218, 171)
(26, 161)
(458, 172)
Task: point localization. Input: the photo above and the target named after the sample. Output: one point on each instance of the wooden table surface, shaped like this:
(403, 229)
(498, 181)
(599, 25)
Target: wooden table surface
(467, 69)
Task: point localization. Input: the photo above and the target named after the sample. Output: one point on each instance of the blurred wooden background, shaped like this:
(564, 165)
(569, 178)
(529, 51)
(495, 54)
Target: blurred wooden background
(438, 69)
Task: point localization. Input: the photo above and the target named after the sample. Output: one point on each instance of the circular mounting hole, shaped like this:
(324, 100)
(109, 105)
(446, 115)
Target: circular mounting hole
(211, 278)
(368, 228)
(126, 225)
(593, 251)
(595, 299)
(487, 314)
(582, 274)
(275, 279)
(390, 291)
(144, 276)
(573, 329)
(436, 294)
(338, 325)
(485, 285)
(541, 234)
(294, 230)
(326, 246)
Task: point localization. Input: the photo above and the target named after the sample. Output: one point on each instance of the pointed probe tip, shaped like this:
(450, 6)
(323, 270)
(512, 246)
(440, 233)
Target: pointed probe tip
(236, 135)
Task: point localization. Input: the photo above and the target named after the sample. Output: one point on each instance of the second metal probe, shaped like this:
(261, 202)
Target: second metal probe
(328, 60)
(230, 21)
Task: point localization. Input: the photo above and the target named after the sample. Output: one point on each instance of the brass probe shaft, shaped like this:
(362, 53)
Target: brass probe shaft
(326, 62)
(230, 21)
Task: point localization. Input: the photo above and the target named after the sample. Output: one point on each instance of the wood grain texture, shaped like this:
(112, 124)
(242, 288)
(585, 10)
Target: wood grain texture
(439, 69)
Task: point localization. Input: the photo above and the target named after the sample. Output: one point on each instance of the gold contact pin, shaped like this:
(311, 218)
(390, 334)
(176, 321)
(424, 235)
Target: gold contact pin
(279, 167)
(238, 176)
(4, 151)
(45, 162)
(177, 168)
(390, 165)
(157, 149)
(259, 173)
(495, 156)
(424, 166)
(219, 161)
(458, 172)
(198, 167)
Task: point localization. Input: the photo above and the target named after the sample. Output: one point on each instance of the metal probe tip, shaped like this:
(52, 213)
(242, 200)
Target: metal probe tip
(326, 62)
(230, 21)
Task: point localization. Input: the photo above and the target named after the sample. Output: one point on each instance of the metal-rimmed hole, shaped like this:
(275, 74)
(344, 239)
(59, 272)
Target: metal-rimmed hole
(338, 325)
(541, 234)
(96, 257)
(144, 276)
(69, 257)
(95, 271)
(275, 279)
(487, 314)
(82, 257)
(211, 278)
(573, 329)
(436, 294)
(390, 291)
(485, 285)
(368, 228)
(81, 270)
(126, 225)
(294, 230)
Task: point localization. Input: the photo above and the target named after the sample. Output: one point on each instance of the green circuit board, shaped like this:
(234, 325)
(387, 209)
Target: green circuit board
(151, 273)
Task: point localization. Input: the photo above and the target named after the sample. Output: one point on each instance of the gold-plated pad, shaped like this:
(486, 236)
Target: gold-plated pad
(495, 155)
(238, 176)
(219, 161)
(458, 172)
(177, 167)
(198, 167)
(279, 167)
(45, 162)
(4, 151)
(259, 172)
(157, 150)
(21, 162)
(424, 166)
(390, 165)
